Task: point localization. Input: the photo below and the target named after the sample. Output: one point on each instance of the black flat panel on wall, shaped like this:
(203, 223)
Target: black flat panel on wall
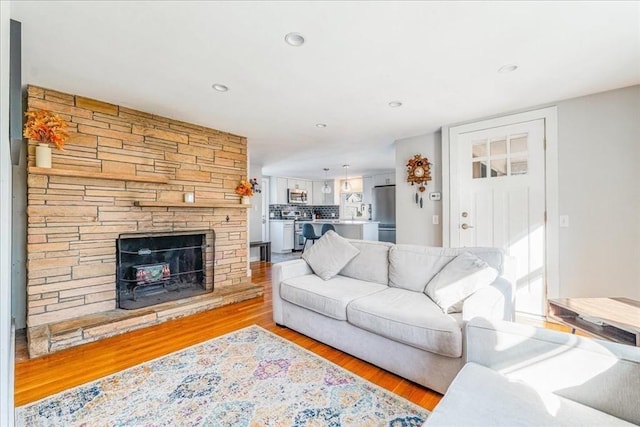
(15, 90)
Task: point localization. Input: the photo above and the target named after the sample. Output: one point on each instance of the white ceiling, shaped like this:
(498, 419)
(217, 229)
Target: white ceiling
(440, 59)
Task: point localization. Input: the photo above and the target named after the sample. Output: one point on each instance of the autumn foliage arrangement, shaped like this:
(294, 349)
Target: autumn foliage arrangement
(244, 188)
(45, 126)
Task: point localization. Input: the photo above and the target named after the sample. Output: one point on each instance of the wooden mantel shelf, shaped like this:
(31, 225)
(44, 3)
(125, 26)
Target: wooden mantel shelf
(169, 204)
(98, 175)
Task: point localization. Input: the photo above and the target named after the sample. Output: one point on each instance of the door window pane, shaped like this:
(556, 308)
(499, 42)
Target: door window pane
(518, 144)
(479, 149)
(498, 147)
(519, 166)
(499, 167)
(479, 170)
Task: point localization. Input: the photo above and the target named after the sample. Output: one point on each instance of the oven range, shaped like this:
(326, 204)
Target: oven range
(298, 239)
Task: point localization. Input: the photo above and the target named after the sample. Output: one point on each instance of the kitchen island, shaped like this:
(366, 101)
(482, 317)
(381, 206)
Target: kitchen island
(350, 229)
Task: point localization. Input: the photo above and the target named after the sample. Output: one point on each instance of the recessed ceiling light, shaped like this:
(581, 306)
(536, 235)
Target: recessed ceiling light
(219, 87)
(294, 39)
(321, 125)
(395, 104)
(507, 68)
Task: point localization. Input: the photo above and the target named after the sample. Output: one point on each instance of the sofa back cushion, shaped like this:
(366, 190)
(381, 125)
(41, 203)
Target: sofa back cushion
(371, 264)
(412, 267)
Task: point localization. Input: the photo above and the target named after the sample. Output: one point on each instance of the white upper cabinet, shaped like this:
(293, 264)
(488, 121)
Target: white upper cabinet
(299, 184)
(384, 179)
(320, 198)
(278, 193)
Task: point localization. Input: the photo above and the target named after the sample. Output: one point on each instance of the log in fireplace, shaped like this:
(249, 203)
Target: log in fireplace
(158, 267)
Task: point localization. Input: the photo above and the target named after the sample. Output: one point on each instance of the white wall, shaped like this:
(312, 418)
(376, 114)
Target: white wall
(6, 366)
(599, 188)
(414, 225)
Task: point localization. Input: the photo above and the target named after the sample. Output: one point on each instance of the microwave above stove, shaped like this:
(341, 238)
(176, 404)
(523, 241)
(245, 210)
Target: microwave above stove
(297, 196)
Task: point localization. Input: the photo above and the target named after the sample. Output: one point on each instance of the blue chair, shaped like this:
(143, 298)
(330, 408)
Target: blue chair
(327, 227)
(309, 234)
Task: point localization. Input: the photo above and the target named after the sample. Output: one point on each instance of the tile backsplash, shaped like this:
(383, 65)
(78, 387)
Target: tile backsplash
(325, 211)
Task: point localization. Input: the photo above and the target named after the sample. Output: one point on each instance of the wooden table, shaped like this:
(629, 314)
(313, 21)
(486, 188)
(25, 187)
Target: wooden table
(613, 319)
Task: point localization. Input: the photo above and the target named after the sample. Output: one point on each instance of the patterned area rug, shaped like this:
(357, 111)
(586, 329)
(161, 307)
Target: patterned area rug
(250, 377)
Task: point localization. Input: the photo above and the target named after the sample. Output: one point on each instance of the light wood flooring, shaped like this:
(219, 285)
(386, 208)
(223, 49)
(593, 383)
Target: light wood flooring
(41, 377)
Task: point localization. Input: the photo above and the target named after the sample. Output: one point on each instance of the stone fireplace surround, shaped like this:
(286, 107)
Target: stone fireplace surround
(125, 171)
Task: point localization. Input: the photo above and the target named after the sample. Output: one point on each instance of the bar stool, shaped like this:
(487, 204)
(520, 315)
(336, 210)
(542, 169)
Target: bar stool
(309, 234)
(327, 227)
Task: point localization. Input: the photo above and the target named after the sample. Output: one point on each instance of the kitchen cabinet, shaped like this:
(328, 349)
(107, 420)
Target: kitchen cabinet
(281, 232)
(278, 193)
(320, 198)
(300, 184)
(384, 179)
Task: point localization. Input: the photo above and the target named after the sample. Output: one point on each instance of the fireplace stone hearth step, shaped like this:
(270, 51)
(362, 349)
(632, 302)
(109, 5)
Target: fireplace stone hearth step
(57, 336)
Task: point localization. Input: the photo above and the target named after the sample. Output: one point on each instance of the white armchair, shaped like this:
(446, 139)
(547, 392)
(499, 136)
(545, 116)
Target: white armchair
(527, 376)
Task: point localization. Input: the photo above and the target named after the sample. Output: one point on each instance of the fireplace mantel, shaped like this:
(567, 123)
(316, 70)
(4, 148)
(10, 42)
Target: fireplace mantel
(98, 175)
(169, 204)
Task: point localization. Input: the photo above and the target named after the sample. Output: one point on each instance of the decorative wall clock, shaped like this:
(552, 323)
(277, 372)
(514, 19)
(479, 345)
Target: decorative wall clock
(418, 174)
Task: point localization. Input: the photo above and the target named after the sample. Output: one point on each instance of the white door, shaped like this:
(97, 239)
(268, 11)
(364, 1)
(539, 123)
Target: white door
(500, 188)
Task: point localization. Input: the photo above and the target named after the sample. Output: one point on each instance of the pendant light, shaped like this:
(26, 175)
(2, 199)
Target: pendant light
(325, 188)
(346, 186)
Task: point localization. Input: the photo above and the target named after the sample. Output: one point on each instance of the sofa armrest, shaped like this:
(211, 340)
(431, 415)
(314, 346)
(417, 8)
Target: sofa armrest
(493, 302)
(283, 271)
(599, 374)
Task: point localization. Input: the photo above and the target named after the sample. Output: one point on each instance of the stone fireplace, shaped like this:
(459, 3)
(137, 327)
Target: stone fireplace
(125, 173)
(153, 268)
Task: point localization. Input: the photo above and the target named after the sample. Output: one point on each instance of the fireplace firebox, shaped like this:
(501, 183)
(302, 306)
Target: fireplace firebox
(153, 268)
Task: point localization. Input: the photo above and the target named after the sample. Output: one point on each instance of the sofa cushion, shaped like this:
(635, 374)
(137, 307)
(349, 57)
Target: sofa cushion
(458, 280)
(371, 264)
(480, 396)
(410, 318)
(412, 267)
(329, 297)
(329, 254)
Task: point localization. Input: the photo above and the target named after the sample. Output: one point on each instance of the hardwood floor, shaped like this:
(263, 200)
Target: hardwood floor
(41, 377)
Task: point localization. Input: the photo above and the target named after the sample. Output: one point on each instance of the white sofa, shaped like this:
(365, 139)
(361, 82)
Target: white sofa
(519, 375)
(375, 308)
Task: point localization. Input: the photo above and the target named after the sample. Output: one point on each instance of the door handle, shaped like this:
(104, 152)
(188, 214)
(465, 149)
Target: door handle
(466, 226)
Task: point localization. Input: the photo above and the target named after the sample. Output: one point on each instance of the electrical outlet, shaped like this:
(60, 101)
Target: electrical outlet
(435, 219)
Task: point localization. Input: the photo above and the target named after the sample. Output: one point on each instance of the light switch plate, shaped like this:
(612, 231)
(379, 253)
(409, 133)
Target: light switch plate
(434, 196)
(564, 221)
(435, 219)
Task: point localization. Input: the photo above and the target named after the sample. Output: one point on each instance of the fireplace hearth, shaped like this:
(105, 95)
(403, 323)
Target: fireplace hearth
(154, 268)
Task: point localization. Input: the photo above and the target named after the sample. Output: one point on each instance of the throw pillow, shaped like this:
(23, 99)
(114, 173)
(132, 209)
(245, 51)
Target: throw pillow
(458, 280)
(329, 255)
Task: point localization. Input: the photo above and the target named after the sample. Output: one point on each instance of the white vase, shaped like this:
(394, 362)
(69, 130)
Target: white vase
(43, 156)
(246, 200)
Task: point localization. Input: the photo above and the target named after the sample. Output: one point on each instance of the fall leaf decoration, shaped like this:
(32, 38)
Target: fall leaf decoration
(244, 188)
(45, 126)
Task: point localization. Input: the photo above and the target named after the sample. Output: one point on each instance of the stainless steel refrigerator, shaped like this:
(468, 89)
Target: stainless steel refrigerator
(384, 211)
